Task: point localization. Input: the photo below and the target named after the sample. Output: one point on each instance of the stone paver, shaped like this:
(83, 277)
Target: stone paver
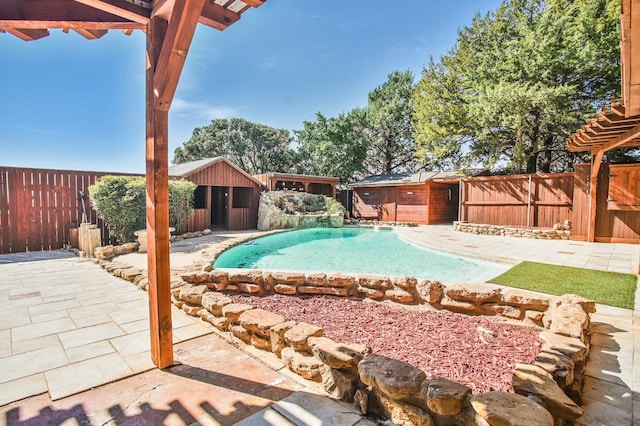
(40, 329)
(83, 375)
(513, 250)
(23, 387)
(87, 335)
(29, 363)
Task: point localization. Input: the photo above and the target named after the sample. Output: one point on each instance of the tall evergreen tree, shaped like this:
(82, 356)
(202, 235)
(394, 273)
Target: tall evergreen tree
(391, 145)
(517, 83)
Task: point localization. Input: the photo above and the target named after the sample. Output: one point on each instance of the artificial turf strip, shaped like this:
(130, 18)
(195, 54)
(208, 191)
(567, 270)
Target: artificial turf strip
(607, 288)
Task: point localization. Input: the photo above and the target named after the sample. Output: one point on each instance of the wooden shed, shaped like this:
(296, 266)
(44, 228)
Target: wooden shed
(324, 185)
(226, 197)
(422, 197)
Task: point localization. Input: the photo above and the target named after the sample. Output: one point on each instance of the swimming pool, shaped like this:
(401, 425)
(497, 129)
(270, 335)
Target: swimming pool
(356, 250)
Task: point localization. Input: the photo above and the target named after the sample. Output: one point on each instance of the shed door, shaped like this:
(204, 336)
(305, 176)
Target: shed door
(219, 206)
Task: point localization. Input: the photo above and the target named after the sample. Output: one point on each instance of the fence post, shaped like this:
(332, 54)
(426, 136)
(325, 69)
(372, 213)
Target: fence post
(529, 204)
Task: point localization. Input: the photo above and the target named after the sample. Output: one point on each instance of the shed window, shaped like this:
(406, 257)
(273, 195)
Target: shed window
(241, 198)
(200, 197)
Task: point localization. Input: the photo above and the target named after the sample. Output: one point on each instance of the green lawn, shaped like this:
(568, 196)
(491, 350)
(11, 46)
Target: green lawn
(607, 288)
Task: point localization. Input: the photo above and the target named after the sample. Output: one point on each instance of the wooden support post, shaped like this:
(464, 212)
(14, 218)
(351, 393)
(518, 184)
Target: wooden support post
(596, 162)
(462, 215)
(157, 166)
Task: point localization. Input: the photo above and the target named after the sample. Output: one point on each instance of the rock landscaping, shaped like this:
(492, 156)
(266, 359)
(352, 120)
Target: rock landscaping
(294, 210)
(560, 231)
(547, 390)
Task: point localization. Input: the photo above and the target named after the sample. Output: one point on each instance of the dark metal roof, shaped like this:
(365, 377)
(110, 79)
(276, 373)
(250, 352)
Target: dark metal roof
(404, 178)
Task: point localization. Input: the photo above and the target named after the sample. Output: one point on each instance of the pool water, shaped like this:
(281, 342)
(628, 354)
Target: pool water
(356, 250)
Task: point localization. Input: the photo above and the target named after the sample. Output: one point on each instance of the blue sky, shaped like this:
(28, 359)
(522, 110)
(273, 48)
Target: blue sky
(71, 103)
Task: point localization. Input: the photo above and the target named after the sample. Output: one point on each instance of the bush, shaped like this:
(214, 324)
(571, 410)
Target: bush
(121, 202)
(180, 203)
(334, 206)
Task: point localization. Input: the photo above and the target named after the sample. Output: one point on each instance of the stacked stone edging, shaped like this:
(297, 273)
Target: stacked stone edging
(375, 222)
(559, 231)
(547, 391)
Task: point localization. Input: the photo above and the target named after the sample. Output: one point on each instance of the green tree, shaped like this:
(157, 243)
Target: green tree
(333, 146)
(376, 139)
(255, 148)
(517, 83)
(387, 127)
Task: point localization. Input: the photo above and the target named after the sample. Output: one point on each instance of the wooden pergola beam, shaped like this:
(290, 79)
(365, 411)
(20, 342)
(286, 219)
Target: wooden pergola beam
(8, 25)
(596, 162)
(90, 34)
(175, 48)
(157, 172)
(627, 136)
(121, 8)
(28, 34)
(254, 3)
(218, 17)
(168, 43)
(630, 55)
(34, 14)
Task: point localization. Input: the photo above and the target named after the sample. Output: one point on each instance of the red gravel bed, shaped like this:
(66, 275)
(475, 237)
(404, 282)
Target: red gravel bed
(479, 352)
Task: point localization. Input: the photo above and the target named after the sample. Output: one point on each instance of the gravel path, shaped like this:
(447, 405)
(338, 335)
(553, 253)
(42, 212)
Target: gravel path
(477, 351)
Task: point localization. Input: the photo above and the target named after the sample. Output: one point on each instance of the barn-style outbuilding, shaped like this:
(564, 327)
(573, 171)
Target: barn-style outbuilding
(422, 197)
(226, 197)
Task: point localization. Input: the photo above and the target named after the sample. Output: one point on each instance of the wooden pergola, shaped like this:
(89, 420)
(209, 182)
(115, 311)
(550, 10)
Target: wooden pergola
(169, 26)
(617, 125)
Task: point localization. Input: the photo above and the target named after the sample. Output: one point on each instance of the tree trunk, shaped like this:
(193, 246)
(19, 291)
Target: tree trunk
(545, 155)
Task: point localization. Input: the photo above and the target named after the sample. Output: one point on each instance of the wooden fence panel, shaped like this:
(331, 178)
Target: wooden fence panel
(38, 206)
(538, 200)
(4, 212)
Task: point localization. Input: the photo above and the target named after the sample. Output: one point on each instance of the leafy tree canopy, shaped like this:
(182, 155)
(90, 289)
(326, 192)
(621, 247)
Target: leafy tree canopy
(332, 146)
(255, 148)
(517, 83)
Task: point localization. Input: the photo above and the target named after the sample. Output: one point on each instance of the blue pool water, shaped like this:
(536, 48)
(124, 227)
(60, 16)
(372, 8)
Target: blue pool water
(357, 250)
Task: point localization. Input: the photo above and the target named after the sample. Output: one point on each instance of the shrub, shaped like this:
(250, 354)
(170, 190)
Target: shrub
(121, 202)
(334, 206)
(180, 203)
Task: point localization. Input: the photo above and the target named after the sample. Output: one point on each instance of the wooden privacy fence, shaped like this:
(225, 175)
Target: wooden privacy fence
(38, 206)
(517, 200)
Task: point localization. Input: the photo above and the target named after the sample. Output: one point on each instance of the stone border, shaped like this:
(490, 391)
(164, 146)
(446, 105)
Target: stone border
(547, 390)
(510, 231)
(375, 222)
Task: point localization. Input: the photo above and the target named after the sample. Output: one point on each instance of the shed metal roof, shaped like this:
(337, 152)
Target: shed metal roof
(404, 178)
